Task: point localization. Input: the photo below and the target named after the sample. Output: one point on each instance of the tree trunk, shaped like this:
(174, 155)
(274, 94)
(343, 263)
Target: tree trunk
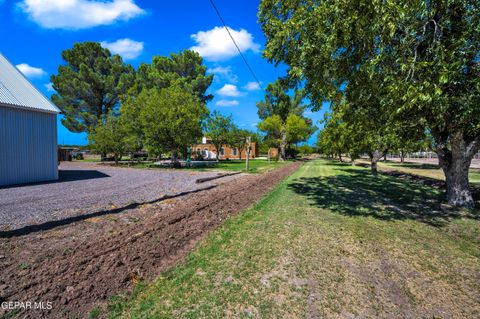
(402, 157)
(373, 166)
(455, 164)
(340, 157)
(374, 157)
(458, 188)
(175, 162)
(217, 153)
(283, 145)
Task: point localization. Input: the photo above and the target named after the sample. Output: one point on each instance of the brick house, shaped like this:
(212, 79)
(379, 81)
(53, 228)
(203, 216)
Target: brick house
(226, 152)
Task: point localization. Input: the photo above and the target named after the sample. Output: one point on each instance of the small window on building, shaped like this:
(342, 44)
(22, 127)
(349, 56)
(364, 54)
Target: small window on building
(222, 151)
(235, 151)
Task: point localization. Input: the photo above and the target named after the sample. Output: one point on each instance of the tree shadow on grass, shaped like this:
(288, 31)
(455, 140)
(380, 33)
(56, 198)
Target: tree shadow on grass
(413, 165)
(417, 179)
(355, 192)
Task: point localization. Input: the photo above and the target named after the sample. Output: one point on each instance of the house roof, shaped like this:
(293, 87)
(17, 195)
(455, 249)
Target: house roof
(17, 91)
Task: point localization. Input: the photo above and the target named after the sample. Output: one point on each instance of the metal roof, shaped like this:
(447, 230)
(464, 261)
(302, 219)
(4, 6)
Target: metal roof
(17, 91)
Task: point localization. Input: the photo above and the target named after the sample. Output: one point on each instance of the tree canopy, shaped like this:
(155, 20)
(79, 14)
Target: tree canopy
(298, 129)
(110, 137)
(170, 119)
(277, 101)
(295, 129)
(277, 106)
(89, 86)
(219, 129)
(417, 61)
(185, 69)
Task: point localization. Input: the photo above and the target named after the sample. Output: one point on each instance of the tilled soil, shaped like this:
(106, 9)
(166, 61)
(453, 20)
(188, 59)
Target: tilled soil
(79, 266)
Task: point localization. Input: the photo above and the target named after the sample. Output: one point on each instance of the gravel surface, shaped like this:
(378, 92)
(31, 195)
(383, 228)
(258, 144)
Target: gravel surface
(80, 265)
(88, 187)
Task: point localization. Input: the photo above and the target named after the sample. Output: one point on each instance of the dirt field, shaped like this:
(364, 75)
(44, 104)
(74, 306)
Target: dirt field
(80, 265)
(86, 188)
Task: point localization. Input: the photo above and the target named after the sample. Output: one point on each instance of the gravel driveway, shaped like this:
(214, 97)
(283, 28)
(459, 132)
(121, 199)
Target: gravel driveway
(84, 188)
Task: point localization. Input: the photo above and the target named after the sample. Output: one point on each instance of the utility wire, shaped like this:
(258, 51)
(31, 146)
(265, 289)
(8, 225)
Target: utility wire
(239, 51)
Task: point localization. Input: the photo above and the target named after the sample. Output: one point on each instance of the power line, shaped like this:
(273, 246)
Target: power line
(239, 51)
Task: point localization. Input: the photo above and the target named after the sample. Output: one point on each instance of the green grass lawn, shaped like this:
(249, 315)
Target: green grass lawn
(331, 241)
(255, 166)
(429, 170)
(90, 160)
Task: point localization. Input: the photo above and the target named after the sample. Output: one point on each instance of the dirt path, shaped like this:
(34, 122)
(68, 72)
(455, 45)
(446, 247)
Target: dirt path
(81, 265)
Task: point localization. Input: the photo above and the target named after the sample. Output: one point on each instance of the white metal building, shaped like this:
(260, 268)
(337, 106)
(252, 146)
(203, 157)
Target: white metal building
(28, 130)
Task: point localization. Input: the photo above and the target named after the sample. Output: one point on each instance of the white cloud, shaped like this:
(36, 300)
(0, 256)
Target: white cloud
(226, 103)
(128, 49)
(229, 90)
(252, 86)
(225, 73)
(30, 71)
(49, 87)
(79, 14)
(216, 44)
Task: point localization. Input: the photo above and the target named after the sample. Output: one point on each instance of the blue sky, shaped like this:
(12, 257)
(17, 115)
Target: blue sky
(34, 33)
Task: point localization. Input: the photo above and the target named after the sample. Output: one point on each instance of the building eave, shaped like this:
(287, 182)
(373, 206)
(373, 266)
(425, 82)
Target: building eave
(24, 108)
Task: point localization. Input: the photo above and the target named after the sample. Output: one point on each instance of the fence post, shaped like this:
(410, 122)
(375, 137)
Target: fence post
(248, 153)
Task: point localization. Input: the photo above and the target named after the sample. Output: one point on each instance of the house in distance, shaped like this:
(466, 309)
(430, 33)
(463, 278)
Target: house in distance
(28, 130)
(225, 152)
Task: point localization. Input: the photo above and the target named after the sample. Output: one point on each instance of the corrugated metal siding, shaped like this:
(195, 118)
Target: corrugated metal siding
(16, 90)
(28, 146)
